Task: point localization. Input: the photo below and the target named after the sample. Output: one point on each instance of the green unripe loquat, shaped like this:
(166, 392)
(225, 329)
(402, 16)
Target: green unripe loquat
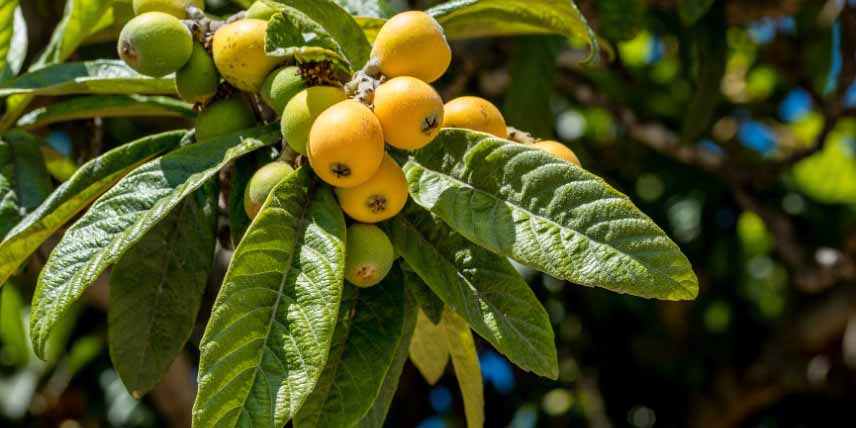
(301, 111)
(155, 44)
(260, 10)
(280, 86)
(368, 255)
(224, 117)
(175, 8)
(198, 79)
(261, 184)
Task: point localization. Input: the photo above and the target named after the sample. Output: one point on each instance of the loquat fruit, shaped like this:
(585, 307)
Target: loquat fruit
(280, 86)
(239, 54)
(558, 150)
(381, 197)
(477, 114)
(198, 79)
(346, 144)
(176, 8)
(410, 112)
(412, 43)
(155, 44)
(224, 117)
(301, 111)
(260, 185)
(368, 255)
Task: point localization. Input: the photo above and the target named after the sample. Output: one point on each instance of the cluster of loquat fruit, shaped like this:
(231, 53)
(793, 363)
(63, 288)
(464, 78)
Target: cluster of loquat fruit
(342, 132)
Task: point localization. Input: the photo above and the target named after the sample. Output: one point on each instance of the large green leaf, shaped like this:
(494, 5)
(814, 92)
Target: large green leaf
(465, 360)
(375, 417)
(10, 213)
(123, 215)
(430, 304)
(547, 214)
(370, 8)
(7, 30)
(527, 102)
(338, 23)
(156, 289)
(90, 180)
(483, 287)
(429, 349)
(273, 322)
(620, 19)
(80, 19)
(295, 37)
(106, 106)
(368, 330)
(463, 19)
(91, 77)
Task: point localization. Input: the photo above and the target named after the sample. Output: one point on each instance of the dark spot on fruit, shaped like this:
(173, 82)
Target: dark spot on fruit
(377, 203)
(367, 272)
(340, 170)
(430, 123)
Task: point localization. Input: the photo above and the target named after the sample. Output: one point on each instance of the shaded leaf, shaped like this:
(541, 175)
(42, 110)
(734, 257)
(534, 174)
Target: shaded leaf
(462, 19)
(430, 304)
(338, 23)
(547, 214)
(90, 180)
(32, 181)
(242, 172)
(429, 349)
(8, 11)
(368, 331)
(483, 287)
(371, 26)
(106, 106)
(533, 76)
(465, 360)
(711, 52)
(123, 215)
(273, 322)
(91, 77)
(370, 8)
(10, 213)
(13, 337)
(376, 416)
(156, 289)
(691, 10)
(619, 19)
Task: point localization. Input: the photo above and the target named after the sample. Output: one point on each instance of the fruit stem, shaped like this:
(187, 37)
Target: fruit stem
(364, 83)
(521, 136)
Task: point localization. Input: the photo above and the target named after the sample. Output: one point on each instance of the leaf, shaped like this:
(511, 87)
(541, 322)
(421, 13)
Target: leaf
(295, 37)
(483, 287)
(527, 102)
(91, 77)
(547, 214)
(711, 56)
(10, 213)
(92, 179)
(430, 304)
(370, 8)
(429, 350)
(8, 10)
(371, 26)
(59, 167)
(620, 20)
(242, 172)
(272, 324)
(13, 337)
(338, 23)
(123, 215)
(80, 18)
(462, 19)
(691, 10)
(156, 289)
(376, 416)
(32, 182)
(106, 106)
(465, 360)
(369, 328)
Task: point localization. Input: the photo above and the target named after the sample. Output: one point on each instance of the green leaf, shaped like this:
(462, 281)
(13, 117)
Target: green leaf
(80, 19)
(294, 36)
(59, 166)
(527, 102)
(242, 172)
(32, 181)
(369, 328)
(106, 106)
(483, 287)
(8, 10)
(462, 19)
(90, 180)
(376, 416)
(156, 289)
(429, 349)
(272, 324)
(13, 337)
(465, 360)
(547, 214)
(91, 77)
(836, 163)
(620, 20)
(10, 213)
(430, 304)
(691, 10)
(711, 52)
(123, 215)
(371, 26)
(370, 8)
(338, 23)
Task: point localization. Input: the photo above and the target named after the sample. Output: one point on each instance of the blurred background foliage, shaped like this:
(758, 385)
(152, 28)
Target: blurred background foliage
(730, 122)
